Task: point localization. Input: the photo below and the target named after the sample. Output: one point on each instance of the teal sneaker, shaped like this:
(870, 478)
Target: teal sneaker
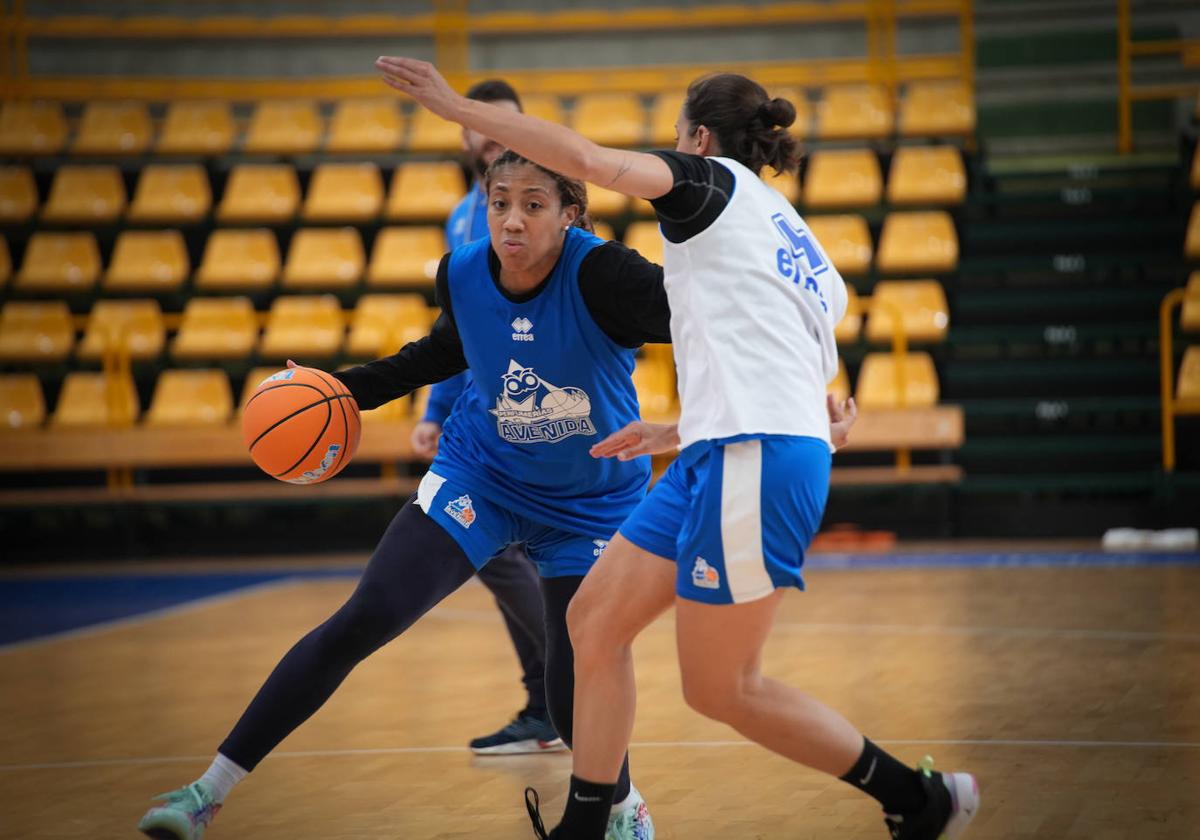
(632, 822)
(184, 814)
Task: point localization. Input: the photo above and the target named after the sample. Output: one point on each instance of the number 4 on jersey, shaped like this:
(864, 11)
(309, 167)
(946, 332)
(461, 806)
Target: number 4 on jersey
(788, 259)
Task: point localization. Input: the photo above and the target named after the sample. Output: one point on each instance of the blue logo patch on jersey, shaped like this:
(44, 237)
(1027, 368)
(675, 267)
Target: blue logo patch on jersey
(800, 261)
(532, 410)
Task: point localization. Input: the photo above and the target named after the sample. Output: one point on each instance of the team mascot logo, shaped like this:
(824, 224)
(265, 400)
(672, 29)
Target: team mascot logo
(531, 410)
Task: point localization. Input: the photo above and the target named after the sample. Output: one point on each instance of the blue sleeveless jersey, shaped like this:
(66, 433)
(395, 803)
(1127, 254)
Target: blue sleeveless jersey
(547, 384)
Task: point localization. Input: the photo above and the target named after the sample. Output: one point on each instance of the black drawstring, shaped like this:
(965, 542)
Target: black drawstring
(535, 816)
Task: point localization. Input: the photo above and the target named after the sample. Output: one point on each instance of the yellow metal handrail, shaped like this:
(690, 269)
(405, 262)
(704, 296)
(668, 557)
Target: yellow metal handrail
(451, 25)
(1166, 372)
(1127, 48)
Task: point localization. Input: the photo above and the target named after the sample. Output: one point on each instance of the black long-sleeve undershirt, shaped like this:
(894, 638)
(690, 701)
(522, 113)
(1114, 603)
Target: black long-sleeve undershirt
(623, 292)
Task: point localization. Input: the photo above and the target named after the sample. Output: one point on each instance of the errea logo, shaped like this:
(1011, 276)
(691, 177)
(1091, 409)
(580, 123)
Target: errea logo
(523, 328)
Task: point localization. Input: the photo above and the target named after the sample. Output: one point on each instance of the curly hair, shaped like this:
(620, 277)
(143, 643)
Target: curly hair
(570, 190)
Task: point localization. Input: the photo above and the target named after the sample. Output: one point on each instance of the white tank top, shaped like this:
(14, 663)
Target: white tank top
(754, 301)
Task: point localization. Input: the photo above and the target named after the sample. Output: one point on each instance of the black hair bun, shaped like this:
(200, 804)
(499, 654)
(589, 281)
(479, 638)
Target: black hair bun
(778, 112)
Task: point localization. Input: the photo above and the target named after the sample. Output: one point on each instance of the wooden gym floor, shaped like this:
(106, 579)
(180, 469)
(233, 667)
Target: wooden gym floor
(1073, 693)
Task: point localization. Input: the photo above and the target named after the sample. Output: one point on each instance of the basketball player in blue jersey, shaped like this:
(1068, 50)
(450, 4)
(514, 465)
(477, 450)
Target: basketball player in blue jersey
(547, 318)
(509, 576)
(754, 301)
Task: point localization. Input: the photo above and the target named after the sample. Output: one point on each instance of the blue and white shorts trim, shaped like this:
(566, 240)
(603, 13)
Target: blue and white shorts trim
(736, 515)
(483, 528)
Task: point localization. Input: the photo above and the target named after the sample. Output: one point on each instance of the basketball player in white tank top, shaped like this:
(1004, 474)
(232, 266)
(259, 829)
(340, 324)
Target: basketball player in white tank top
(754, 302)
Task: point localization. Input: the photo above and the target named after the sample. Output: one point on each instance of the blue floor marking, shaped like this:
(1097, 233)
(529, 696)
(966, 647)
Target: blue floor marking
(32, 607)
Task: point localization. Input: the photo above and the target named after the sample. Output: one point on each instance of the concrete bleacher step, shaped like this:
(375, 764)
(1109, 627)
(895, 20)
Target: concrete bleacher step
(1050, 378)
(1025, 415)
(1066, 304)
(1073, 453)
(1137, 339)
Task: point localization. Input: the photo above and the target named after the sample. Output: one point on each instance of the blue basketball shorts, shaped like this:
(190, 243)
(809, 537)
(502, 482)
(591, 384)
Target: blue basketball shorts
(482, 529)
(736, 515)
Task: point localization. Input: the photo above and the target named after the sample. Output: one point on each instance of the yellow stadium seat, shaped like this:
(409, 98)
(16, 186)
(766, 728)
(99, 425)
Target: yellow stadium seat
(605, 203)
(138, 323)
(1187, 387)
(786, 183)
(848, 329)
(610, 119)
(843, 178)
(190, 398)
(382, 324)
(239, 260)
(937, 109)
(1189, 317)
(324, 258)
(655, 386)
(171, 195)
(22, 405)
(85, 195)
(35, 331)
(216, 328)
(260, 193)
(344, 192)
(113, 128)
(604, 230)
(18, 194)
(96, 399)
(663, 115)
(922, 304)
(918, 242)
(302, 327)
(281, 127)
(430, 133)
(196, 128)
(32, 128)
(1191, 245)
(878, 387)
(406, 257)
(646, 239)
(848, 112)
(59, 263)
(366, 125)
(927, 175)
(840, 385)
(1195, 179)
(147, 261)
(5, 262)
(544, 108)
(847, 241)
(425, 191)
(802, 127)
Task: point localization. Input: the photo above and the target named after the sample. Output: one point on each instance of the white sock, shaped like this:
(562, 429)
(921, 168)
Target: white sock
(221, 776)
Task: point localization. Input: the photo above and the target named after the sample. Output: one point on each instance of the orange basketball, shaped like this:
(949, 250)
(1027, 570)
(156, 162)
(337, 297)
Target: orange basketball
(301, 426)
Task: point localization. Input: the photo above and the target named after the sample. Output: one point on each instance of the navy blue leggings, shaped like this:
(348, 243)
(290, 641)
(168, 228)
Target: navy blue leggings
(414, 567)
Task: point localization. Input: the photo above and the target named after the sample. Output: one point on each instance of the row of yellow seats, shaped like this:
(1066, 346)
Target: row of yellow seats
(849, 111)
(216, 328)
(191, 397)
(918, 242)
(877, 386)
(156, 262)
(254, 194)
(229, 327)
(353, 192)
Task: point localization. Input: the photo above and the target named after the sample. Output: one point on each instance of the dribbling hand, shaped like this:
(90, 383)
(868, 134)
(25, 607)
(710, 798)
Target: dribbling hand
(425, 438)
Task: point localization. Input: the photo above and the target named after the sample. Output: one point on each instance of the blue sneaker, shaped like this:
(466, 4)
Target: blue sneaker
(630, 820)
(184, 814)
(525, 734)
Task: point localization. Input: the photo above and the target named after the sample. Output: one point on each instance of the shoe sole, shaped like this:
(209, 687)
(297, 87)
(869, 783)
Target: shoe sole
(522, 748)
(964, 796)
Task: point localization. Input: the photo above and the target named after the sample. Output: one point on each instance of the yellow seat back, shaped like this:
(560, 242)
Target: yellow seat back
(301, 327)
(137, 323)
(859, 111)
(113, 128)
(430, 133)
(913, 242)
(878, 387)
(382, 324)
(190, 398)
(171, 194)
(937, 109)
(22, 405)
(32, 128)
(59, 263)
(239, 260)
(848, 329)
(85, 195)
(260, 193)
(283, 127)
(610, 119)
(847, 241)
(18, 195)
(216, 328)
(344, 192)
(646, 239)
(425, 191)
(324, 258)
(90, 399)
(604, 203)
(196, 128)
(365, 125)
(843, 178)
(923, 309)
(35, 331)
(149, 261)
(406, 257)
(927, 175)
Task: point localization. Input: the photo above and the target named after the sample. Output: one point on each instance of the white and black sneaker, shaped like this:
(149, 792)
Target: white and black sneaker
(952, 800)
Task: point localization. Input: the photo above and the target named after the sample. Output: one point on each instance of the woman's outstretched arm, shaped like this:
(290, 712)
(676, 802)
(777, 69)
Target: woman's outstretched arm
(553, 146)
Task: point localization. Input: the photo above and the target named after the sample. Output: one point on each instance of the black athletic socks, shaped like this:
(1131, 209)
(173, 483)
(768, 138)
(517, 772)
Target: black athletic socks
(587, 811)
(896, 787)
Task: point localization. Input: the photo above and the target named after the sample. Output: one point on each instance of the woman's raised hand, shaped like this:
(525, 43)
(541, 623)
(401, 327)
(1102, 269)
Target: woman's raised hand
(420, 80)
